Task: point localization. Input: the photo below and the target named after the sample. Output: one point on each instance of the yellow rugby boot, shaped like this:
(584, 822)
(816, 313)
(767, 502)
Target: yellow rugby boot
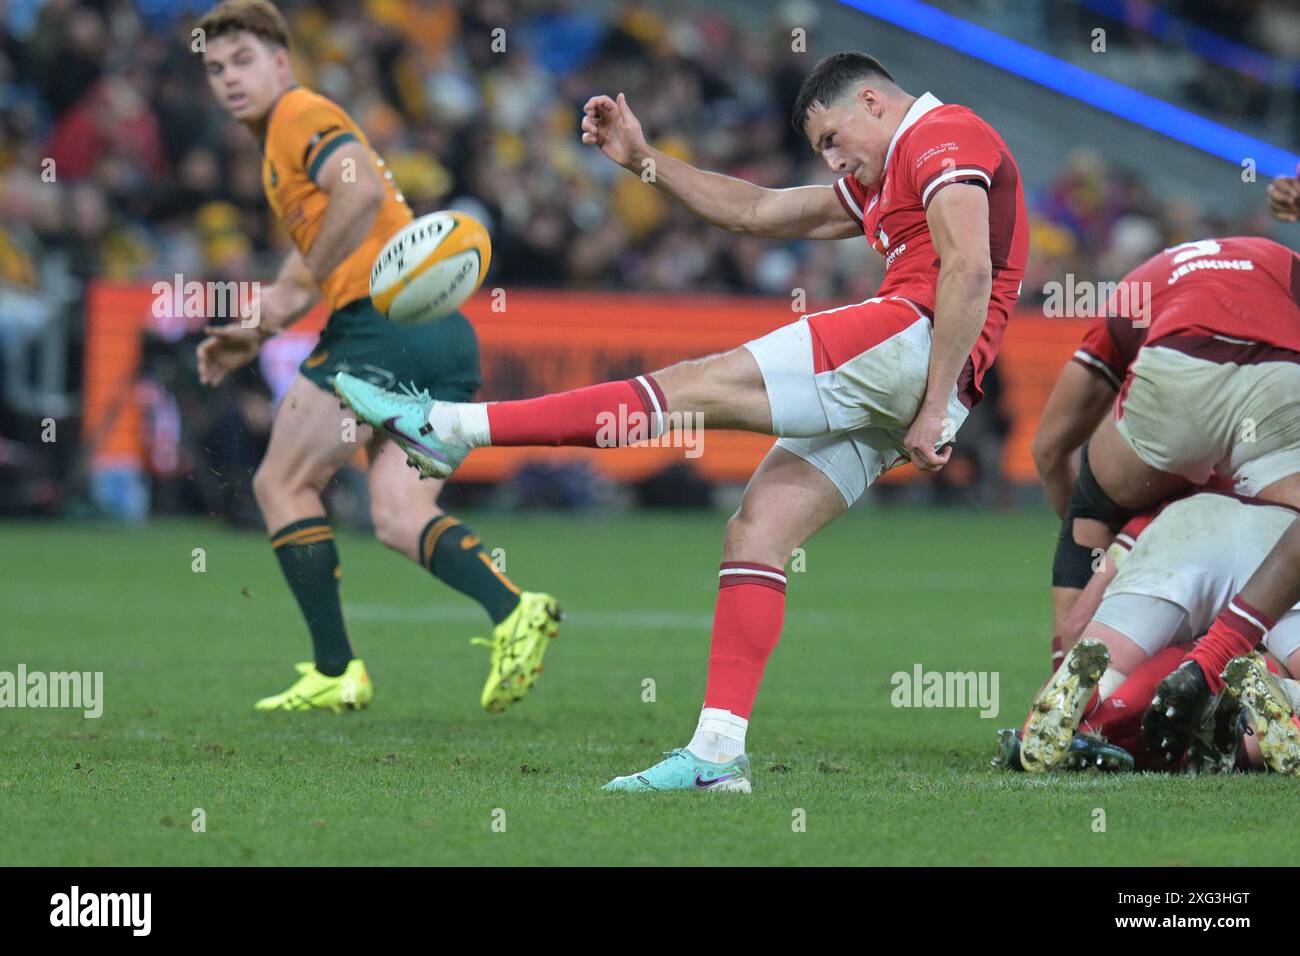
(518, 644)
(351, 690)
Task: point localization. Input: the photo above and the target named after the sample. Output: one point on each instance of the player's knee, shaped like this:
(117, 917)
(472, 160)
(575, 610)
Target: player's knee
(277, 481)
(1091, 519)
(747, 539)
(266, 485)
(683, 385)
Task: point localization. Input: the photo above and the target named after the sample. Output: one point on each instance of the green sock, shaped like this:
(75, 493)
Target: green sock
(455, 556)
(310, 563)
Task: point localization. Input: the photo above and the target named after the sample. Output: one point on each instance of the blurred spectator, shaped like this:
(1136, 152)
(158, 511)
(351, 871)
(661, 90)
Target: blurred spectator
(115, 163)
(464, 99)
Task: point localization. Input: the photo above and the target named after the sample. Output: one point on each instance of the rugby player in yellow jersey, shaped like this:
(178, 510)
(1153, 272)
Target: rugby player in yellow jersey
(340, 206)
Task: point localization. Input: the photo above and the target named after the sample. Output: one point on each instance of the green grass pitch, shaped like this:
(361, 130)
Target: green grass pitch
(422, 775)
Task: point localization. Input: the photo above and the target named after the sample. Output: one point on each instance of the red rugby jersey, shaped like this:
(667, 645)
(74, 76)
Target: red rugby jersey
(1223, 299)
(935, 146)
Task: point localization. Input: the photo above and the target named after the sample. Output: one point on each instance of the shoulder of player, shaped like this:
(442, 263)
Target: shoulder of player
(943, 136)
(299, 103)
(302, 112)
(301, 122)
(949, 121)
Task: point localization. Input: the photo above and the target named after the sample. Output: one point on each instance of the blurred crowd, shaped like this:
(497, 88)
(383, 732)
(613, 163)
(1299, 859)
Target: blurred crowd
(1097, 219)
(149, 179)
(1233, 60)
(116, 163)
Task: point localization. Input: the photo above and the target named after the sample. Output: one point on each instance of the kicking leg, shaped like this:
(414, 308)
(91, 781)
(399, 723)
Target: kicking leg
(724, 391)
(408, 520)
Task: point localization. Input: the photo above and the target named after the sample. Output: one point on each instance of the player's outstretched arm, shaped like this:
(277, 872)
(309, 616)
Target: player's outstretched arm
(804, 212)
(1078, 403)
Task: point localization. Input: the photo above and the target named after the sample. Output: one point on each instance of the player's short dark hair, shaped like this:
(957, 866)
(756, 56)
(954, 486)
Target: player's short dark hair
(831, 79)
(258, 17)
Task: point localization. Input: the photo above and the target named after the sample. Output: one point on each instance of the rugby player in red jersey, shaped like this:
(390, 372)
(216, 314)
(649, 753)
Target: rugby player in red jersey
(1213, 391)
(850, 392)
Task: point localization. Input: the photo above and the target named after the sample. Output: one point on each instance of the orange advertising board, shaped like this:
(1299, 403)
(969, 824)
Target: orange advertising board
(535, 342)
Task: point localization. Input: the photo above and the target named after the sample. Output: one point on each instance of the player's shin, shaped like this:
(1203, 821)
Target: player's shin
(455, 555)
(310, 563)
(746, 627)
(609, 415)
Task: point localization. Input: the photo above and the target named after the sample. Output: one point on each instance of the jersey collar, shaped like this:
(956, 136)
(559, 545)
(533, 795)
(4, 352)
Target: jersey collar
(924, 103)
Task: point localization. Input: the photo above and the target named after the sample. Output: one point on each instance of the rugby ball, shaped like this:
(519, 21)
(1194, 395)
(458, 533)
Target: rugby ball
(429, 268)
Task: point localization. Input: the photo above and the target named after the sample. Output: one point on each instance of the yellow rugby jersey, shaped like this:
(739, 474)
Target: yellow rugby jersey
(304, 129)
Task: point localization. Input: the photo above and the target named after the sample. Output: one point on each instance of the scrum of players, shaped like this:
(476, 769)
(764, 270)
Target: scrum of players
(1170, 447)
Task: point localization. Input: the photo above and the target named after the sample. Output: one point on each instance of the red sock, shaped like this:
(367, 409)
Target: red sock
(1058, 654)
(1236, 631)
(1119, 716)
(598, 416)
(746, 626)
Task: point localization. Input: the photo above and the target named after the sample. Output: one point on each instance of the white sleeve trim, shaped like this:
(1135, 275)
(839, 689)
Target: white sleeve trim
(847, 196)
(1093, 362)
(942, 178)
